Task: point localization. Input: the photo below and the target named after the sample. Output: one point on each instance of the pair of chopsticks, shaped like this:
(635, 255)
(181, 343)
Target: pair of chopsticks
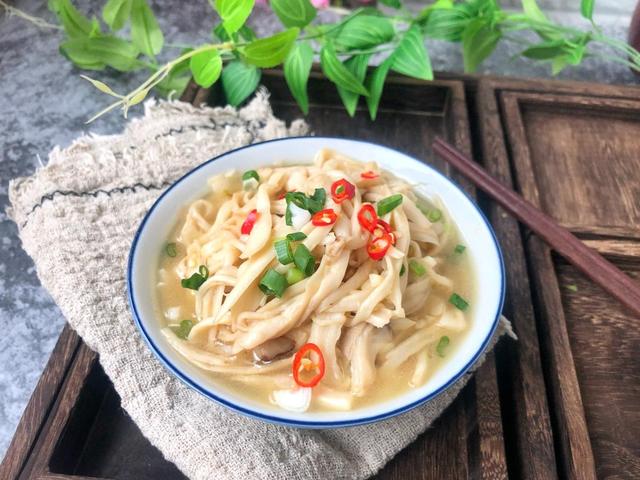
(587, 260)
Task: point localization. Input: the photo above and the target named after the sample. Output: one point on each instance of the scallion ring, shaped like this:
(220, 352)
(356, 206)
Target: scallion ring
(458, 302)
(417, 268)
(273, 283)
(249, 174)
(304, 260)
(296, 236)
(283, 251)
(442, 345)
(195, 281)
(387, 204)
(294, 275)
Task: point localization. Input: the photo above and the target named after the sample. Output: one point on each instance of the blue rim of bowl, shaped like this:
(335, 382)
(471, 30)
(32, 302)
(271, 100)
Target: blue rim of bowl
(300, 423)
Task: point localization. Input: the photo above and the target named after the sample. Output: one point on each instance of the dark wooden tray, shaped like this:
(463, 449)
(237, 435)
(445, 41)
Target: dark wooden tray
(537, 409)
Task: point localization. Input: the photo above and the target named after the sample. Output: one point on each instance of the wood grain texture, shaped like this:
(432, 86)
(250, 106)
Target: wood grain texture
(570, 425)
(573, 140)
(589, 261)
(38, 463)
(39, 404)
(527, 422)
(606, 342)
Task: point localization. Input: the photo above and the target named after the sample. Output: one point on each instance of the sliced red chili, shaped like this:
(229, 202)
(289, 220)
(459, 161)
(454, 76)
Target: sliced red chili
(342, 190)
(369, 175)
(367, 217)
(384, 227)
(248, 224)
(324, 218)
(300, 368)
(281, 195)
(378, 246)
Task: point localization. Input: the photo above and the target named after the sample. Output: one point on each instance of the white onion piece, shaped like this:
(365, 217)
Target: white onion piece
(333, 399)
(294, 400)
(172, 313)
(299, 216)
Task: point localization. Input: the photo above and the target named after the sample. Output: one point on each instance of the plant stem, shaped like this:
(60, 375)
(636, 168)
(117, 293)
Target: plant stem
(38, 22)
(619, 60)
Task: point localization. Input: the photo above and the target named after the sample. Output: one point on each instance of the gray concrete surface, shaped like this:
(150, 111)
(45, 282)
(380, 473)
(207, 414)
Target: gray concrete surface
(44, 103)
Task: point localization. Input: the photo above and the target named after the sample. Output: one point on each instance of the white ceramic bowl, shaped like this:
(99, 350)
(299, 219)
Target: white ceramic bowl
(478, 236)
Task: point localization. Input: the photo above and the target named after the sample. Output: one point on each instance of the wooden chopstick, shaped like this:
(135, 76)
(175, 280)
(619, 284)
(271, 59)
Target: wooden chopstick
(587, 260)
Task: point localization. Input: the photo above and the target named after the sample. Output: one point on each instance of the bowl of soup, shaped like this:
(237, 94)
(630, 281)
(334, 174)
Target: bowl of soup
(316, 282)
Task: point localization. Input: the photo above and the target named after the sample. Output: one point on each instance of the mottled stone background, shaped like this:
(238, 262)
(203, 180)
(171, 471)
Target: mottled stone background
(44, 103)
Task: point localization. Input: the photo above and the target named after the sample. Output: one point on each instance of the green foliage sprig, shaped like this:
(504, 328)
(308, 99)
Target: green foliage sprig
(345, 48)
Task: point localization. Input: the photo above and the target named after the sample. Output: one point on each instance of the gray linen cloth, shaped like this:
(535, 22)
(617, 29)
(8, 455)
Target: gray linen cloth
(77, 217)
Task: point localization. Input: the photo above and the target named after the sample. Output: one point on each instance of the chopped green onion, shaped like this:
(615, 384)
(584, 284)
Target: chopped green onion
(572, 288)
(283, 251)
(184, 329)
(195, 281)
(299, 199)
(417, 268)
(442, 344)
(402, 270)
(296, 236)
(387, 204)
(458, 302)
(287, 216)
(304, 260)
(273, 283)
(434, 215)
(316, 202)
(422, 207)
(459, 249)
(294, 275)
(171, 249)
(249, 174)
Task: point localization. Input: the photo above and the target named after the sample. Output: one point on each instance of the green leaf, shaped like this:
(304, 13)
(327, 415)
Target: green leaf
(558, 64)
(116, 13)
(586, 8)
(145, 31)
(177, 78)
(357, 65)
(375, 84)
(411, 58)
(338, 73)
(423, 16)
(294, 13)
(271, 51)
(206, 67)
(532, 10)
(111, 51)
(172, 83)
(364, 31)
(560, 52)
(391, 3)
(546, 50)
(74, 23)
(219, 33)
(234, 13)
(447, 23)
(478, 42)
(239, 81)
(296, 73)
